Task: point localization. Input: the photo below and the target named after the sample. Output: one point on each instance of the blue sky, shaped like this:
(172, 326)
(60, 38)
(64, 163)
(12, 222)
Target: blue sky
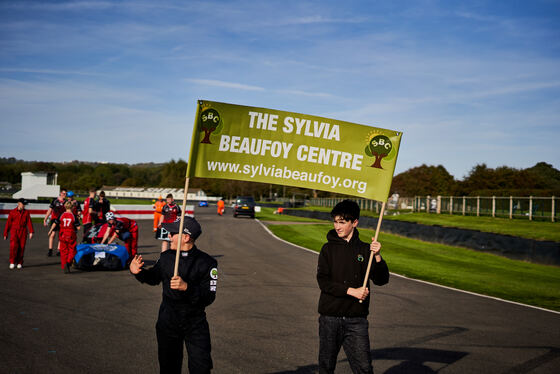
(467, 82)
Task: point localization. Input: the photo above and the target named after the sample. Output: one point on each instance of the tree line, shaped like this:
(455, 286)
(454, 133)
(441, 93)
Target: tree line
(540, 180)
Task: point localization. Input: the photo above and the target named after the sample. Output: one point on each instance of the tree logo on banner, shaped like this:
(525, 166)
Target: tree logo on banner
(380, 147)
(210, 122)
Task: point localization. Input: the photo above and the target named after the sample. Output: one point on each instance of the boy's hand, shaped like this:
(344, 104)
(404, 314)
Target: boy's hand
(136, 264)
(177, 283)
(359, 293)
(374, 247)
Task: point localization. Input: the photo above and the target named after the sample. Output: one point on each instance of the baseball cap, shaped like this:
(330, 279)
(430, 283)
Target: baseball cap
(22, 200)
(190, 227)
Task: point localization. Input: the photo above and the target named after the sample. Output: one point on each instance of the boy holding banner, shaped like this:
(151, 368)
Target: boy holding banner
(344, 301)
(182, 316)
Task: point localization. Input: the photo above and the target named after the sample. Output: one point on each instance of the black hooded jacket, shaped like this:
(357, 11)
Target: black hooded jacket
(342, 265)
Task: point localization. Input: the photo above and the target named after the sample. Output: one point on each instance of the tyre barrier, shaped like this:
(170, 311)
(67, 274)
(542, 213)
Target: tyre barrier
(513, 247)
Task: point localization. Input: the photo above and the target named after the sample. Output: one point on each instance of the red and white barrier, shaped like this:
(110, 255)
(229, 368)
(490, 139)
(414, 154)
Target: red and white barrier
(38, 210)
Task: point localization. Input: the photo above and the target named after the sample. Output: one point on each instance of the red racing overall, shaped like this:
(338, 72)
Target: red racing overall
(67, 237)
(19, 221)
(122, 225)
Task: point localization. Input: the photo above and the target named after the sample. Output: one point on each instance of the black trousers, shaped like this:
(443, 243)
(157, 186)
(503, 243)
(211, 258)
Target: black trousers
(349, 333)
(195, 334)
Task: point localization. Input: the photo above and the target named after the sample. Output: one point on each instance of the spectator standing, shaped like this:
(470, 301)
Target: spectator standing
(76, 209)
(221, 207)
(87, 219)
(169, 214)
(102, 207)
(56, 208)
(158, 207)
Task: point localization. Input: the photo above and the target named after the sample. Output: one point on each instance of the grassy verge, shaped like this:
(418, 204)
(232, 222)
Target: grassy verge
(538, 230)
(450, 266)
(266, 214)
(526, 229)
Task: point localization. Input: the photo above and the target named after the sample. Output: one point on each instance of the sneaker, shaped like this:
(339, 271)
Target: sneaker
(12, 266)
(19, 266)
(50, 253)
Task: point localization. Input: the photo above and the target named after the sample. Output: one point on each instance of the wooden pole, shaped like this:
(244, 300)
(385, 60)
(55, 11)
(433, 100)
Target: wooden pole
(510, 207)
(176, 271)
(374, 239)
(553, 209)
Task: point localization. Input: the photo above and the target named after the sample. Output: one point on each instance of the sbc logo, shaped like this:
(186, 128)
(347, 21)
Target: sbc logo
(210, 122)
(380, 147)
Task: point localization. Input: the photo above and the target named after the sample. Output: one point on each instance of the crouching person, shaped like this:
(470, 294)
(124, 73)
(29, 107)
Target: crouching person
(125, 229)
(182, 316)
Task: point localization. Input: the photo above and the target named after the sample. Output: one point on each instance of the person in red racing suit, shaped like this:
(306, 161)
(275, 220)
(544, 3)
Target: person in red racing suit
(69, 224)
(19, 222)
(126, 229)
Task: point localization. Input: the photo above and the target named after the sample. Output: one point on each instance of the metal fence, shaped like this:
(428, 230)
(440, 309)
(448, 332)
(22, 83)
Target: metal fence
(542, 208)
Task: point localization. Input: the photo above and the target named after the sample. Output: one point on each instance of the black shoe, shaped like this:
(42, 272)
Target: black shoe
(67, 269)
(50, 253)
(58, 253)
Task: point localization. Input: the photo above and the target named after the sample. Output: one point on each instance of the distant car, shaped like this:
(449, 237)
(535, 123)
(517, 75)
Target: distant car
(203, 203)
(244, 205)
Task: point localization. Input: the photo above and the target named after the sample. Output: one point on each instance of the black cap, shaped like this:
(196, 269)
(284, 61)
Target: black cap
(22, 200)
(190, 227)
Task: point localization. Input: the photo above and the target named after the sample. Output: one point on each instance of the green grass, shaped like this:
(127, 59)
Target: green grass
(523, 228)
(538, 230)
(450, 266)
(266, 214)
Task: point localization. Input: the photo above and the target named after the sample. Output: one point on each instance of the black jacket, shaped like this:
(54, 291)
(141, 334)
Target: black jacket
(199, 270)
(342, 265)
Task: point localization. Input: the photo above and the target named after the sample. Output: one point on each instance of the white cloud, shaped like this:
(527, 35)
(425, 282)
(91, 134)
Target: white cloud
(218, 83)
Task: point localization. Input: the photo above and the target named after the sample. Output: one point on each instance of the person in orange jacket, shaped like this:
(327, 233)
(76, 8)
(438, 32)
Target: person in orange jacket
(221, 207)
(17, 226)
(158, 206)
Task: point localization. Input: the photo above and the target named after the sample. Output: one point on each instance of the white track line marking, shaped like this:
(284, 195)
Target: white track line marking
(418, 280)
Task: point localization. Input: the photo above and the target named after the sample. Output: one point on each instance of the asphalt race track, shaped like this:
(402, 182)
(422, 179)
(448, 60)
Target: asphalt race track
(264, 319)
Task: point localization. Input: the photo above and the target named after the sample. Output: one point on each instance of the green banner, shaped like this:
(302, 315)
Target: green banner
(271, 146)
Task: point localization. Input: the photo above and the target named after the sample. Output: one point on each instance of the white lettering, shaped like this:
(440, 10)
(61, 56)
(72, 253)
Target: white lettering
(288, 125)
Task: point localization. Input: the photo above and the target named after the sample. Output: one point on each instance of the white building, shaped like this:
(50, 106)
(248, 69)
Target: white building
(38, 184)
(194, 194)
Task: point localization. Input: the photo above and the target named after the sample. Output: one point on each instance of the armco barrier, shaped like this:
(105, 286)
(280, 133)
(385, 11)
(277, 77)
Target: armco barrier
(38, 210)
(544, 252)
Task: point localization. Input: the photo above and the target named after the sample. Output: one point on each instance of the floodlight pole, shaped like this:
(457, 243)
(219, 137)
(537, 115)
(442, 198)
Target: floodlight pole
(366, 279)
(180, 240)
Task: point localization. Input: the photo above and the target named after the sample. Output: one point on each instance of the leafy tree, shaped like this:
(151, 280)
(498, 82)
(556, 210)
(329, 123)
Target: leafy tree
(424, 180)
(379, 146)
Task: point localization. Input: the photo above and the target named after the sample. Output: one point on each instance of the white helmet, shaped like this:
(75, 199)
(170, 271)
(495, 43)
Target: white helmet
(109, 216)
